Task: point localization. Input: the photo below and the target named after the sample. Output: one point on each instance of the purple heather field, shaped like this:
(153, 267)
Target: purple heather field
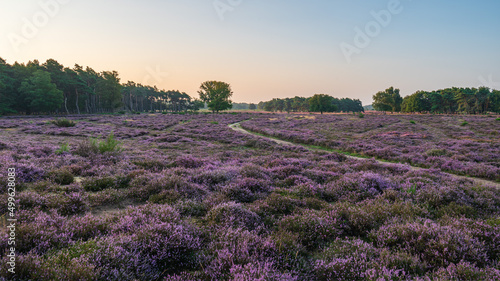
(185, 197)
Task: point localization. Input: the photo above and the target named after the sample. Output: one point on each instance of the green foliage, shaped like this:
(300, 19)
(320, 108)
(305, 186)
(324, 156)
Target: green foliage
(62, 176)
(412, 189)
(109, 88)
(63, 148)
(216, 94)
(464, 123)
(94, 146)
(39, 93)
(109, 145)
(322, 103)
(412, 122)
(63, 122)
(388, 100)
(165, 197)
(451, 100)
(361, 115)
(98, 184)
(437, 152)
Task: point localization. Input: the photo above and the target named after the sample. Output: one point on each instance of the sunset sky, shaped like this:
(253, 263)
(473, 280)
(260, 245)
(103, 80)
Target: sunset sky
(265, 49)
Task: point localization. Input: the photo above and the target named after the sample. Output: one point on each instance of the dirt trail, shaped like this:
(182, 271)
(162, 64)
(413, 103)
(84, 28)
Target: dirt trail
(237, 127)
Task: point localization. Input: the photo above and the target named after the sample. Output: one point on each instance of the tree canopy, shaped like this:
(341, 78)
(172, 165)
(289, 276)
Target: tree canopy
(301, 104)
(453, 100)
(40, 94)
(83, 90)
(216, 94)
(388, 100)
(322, 103)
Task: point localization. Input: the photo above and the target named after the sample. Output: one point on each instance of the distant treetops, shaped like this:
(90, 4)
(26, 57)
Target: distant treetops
(317, 103)
(451, 100)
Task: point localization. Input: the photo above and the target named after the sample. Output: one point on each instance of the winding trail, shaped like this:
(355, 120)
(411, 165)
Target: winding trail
(237, 127)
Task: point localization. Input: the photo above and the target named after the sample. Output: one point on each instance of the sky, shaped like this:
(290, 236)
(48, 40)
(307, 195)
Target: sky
(265, 48)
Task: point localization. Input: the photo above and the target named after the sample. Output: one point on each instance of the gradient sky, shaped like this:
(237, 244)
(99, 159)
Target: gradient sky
(264, 48)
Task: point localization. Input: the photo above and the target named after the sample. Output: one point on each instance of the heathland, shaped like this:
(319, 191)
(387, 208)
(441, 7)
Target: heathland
(186, 197)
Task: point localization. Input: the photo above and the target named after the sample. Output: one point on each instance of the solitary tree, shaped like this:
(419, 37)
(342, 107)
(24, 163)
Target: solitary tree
(322, 103)
(216, 94)
(252, 106)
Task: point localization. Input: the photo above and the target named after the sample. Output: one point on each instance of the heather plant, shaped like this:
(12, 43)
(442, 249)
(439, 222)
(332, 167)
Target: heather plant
(436, 245)
(63, 122)
(98, 184)
(210, 203)
(61, 176)
(234, 246)
(314, 229)
(191, 208)
(165, 197)
(73, 204)
(232, 214)
(466, 271)
(361, 218)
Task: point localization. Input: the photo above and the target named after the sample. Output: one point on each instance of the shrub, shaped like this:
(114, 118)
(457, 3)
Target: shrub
(191, 208)
(165, 197)
(63, 148)
(143, 187)
(63, 122)
(234, 246)
(153, 250)
(436, 152)
(361, 115)
(109, 145)
(259, 271)
(466, 271)
(437, 245)
(61, 176)
(313, 228)
(86, 148)
(73, 204)
(413, 122)
(360, 218)
(345, 260)
(232, 214)
(62, 265)
(464, 123)
(94, 146)
(98, 184)
(28, 173)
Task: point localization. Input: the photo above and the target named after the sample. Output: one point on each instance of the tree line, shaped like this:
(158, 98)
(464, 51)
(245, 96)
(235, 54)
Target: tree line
(52, 88)
(449, 101)
(317, 103)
